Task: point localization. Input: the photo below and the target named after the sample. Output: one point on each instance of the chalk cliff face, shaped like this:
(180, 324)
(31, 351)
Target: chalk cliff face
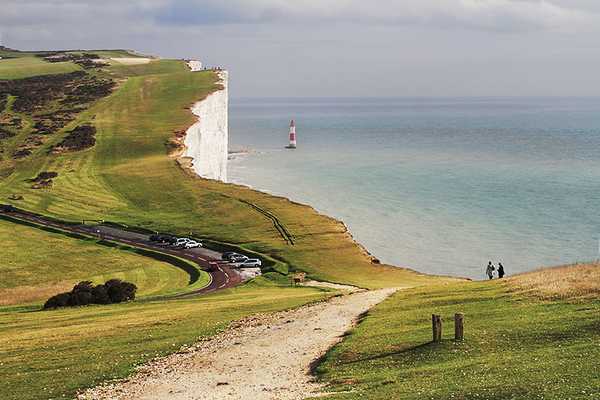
(206, 141)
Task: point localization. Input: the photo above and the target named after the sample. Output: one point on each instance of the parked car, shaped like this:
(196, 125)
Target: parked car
(251, 263)
(192, 244)
(180, 242)
(161, 238)
(227, 254)
(237, 258)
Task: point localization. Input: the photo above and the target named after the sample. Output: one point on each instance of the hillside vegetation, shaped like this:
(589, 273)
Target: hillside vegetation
(517, 345)
(37, 264)
(129, 177)
(572, 282)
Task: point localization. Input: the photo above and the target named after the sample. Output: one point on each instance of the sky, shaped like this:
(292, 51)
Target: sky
(340, 48)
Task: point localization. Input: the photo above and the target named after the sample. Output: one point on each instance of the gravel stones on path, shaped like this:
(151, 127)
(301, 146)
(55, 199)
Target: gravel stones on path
(261, 357)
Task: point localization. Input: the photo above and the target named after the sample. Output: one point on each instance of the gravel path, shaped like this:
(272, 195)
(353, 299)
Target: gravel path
(264, 357)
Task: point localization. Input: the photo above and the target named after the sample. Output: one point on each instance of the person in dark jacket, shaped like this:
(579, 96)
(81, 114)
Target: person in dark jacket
(500, 270)
(489, 271)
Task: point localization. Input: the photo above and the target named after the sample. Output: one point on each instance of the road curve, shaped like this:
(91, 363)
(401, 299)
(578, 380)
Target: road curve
(222, 276)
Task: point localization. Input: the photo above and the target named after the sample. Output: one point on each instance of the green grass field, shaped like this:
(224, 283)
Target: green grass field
(37, 264)
(516, 347)
(25, 67)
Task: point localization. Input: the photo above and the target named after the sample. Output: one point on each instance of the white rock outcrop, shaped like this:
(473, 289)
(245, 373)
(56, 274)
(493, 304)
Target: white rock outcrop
(206, 141)
(249, 273)
(195, 65)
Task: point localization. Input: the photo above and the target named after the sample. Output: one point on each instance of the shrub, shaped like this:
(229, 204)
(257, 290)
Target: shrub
(60, 300)
(120, 291)
(100, 295)
(84, 293)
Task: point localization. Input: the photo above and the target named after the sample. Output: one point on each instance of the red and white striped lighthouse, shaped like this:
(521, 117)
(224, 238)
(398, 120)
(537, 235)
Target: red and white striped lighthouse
(292, 144)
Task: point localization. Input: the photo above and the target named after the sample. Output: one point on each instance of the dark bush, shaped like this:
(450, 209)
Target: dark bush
(60, 300)
(100, 295)
(120, 291)
(44, 176)
(84, 293)
(80, 138)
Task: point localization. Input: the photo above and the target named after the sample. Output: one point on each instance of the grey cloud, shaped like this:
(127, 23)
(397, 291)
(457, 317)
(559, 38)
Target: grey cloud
(496, 15)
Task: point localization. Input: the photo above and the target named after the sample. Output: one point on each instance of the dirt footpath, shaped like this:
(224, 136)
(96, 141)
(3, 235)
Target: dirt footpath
(266, 357)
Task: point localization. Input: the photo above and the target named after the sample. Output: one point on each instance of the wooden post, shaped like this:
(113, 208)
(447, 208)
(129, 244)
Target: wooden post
(459, 332)
(436, 326)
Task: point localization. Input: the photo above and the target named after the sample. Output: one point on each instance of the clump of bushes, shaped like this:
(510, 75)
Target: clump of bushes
(84, 293)
(43, 179)
(80, 138)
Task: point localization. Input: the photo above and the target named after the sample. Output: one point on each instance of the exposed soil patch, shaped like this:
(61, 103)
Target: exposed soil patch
(81, 138)
(175, 144)
(264, 357)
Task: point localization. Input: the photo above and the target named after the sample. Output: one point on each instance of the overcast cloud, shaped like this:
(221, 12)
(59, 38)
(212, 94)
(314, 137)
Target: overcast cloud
(340, 47)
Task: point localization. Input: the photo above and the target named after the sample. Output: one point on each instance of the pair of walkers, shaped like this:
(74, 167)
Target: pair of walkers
(489, 271)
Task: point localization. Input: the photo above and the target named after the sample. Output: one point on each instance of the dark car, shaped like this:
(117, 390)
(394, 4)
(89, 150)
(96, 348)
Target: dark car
(227, 254)
(6, 208)
(163, 239)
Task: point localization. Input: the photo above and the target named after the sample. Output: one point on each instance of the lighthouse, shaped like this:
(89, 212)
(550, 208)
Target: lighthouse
(292, 144)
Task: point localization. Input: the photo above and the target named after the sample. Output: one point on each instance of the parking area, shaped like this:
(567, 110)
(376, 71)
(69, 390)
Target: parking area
(244, 266)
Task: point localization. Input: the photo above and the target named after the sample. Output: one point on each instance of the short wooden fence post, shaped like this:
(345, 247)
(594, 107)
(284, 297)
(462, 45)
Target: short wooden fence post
(436, 326)
(459, 331)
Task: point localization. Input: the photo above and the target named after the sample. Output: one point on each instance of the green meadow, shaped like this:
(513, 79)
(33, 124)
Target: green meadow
(524, 339)
(39, 263)
(25, 67)
(517, 346)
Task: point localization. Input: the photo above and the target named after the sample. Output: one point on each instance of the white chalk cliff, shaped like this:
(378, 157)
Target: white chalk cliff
(206, 141)
(195, 65)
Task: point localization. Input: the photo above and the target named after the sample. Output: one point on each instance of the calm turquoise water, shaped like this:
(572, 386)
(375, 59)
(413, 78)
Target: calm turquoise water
(439, 185)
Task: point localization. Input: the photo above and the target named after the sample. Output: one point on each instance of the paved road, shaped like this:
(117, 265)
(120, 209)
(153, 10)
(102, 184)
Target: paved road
(222, 275)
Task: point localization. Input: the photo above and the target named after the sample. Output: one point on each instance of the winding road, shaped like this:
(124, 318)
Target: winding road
(222, 276)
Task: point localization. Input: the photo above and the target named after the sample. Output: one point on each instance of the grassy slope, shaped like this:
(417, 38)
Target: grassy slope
(128, 177)
(37, 264)
(516, 347)
(52, 354)
(24, 67)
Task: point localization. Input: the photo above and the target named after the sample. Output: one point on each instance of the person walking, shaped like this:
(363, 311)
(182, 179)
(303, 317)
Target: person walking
(500, 270)
(490, 270)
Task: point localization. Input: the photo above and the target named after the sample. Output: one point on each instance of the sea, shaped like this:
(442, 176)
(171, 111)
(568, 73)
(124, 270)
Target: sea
(440, 185)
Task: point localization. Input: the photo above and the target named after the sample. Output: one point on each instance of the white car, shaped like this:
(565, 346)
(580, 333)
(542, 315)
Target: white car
(251, 263)
(181, 242)
(192, 244)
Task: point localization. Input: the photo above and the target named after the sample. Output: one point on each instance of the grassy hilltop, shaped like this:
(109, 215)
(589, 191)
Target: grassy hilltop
(104, 132)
